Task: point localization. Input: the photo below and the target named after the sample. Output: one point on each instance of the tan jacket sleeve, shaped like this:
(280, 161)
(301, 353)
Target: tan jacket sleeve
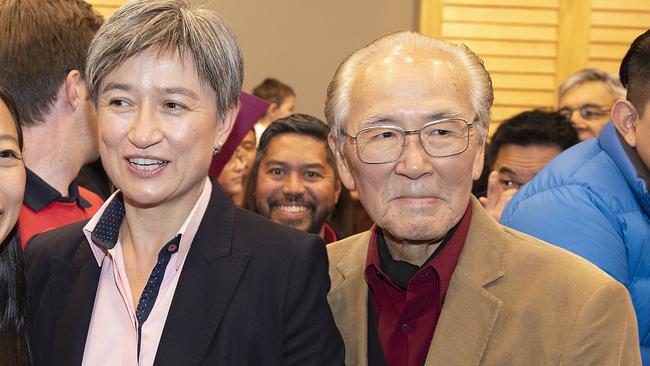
(605, 331)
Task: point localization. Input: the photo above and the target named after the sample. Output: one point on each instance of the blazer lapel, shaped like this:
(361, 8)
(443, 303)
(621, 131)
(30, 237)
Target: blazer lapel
(73, 288)
(349, 300)
(470, 311)
(208, 281)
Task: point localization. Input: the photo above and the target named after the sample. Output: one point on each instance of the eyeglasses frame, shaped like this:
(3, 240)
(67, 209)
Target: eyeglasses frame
(410, 132)
(602, 109)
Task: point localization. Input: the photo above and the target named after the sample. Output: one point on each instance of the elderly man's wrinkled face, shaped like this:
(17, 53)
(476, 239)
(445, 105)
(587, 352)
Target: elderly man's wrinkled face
(417, 197)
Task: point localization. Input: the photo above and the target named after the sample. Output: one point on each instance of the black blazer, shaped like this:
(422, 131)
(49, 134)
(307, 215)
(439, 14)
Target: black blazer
(251, 292)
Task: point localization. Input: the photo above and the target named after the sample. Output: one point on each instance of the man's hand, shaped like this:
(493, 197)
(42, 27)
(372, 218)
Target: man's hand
(497, 196)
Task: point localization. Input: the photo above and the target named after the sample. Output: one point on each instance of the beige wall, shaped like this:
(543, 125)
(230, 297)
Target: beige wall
(302, 42)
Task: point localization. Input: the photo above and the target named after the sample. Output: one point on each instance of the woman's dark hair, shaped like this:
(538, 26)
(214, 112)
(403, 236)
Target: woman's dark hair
(14, 349)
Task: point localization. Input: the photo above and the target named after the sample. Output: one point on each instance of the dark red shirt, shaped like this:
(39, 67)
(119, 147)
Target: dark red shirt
(406, 320)
(329, 235)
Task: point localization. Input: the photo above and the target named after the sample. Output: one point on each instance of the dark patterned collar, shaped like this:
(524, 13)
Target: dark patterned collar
(39, 194)
(107, 230)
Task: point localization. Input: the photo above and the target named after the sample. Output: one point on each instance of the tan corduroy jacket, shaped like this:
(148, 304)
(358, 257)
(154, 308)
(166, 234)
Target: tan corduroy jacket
(512, 300)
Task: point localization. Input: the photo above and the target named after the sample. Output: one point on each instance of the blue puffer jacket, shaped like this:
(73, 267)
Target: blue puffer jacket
(591, 201)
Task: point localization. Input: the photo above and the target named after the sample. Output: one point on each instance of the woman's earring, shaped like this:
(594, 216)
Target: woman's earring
(216, 150)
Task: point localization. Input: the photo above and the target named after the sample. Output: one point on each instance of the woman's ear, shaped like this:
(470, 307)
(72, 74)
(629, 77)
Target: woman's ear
(624, 117)
(225, 126)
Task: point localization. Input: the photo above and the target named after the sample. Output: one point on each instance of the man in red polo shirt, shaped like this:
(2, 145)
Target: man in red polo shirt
(42, 58)
(438, 281)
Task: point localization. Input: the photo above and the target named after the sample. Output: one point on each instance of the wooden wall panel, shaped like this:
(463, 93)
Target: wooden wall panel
(517, 40)
(498, 31)
(509, 48)
(552, 4)
(519, 65)
(106, 7)
(618, 19)
(613, 27)
(527, 16)
(614, 35)
(506, 80)
(530, 46)
(629, 5)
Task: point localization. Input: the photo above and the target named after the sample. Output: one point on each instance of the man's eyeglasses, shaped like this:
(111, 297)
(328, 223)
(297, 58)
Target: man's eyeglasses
(587, 111)
(384, 144)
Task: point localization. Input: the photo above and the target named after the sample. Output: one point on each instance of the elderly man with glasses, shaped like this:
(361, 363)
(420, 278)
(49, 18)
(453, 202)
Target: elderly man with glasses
(437, 280)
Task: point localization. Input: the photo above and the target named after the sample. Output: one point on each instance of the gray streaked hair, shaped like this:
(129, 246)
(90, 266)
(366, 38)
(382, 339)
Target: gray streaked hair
(611, 81)
(170, 26)
(339, 91)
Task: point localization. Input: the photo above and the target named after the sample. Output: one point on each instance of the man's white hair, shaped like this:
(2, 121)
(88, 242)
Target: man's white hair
(611, 82)
(339, 91)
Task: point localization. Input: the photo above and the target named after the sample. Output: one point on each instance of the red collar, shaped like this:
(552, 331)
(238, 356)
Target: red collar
(329, 235)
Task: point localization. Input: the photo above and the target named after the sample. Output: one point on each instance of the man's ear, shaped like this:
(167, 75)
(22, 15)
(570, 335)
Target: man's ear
(272, 110)
(624, 117)
(74, 89)
(342, 164)
(479, 160)
(225, 127)
(337, 190)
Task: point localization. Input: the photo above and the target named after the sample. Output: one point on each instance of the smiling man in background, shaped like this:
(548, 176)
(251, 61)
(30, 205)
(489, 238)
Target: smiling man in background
(294, 180)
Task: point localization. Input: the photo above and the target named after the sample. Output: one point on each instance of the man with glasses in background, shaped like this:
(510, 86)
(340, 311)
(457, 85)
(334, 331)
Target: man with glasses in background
(586, 98)
(437, 280)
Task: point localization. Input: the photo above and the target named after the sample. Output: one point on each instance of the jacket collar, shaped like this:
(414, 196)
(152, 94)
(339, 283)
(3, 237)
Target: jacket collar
(470, 310)
(628, 162)
(199, 304)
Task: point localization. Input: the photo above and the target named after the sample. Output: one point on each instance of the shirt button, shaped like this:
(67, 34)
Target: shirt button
(172, 248)
(404, 328)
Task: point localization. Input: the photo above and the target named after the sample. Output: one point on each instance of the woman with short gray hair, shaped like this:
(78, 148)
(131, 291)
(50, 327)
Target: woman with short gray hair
(169, 271)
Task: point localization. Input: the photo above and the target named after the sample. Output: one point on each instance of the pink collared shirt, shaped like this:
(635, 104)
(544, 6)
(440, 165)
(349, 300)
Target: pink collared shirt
(113, 333)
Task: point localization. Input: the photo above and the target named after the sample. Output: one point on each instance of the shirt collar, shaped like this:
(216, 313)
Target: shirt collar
(102, 231)
(329, 235)
(442, 261)
(39, 194)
